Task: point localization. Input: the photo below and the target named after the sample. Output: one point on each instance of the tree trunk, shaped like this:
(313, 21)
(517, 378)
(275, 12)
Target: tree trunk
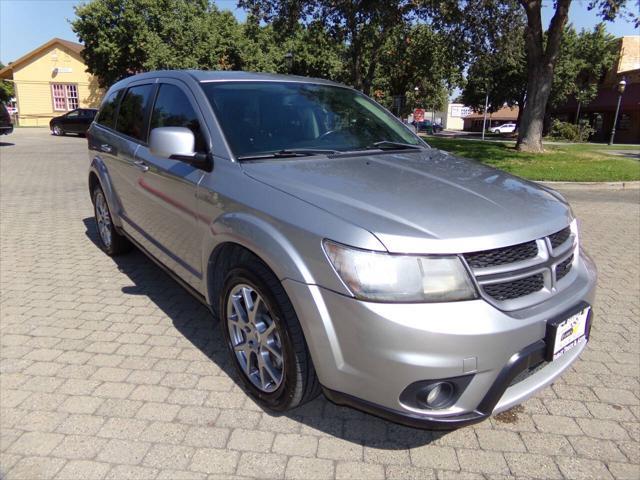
(521, 101)
(532, 121)
(540, 65)
(578, 113)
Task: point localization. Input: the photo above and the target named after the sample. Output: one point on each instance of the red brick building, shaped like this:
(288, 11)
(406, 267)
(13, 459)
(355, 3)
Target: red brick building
(601, 111)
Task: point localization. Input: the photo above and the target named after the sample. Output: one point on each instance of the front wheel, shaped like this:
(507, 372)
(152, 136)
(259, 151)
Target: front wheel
(57, 131)
(265, 338)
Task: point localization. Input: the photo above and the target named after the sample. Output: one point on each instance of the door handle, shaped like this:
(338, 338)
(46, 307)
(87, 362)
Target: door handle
(106, 148)
(141, 165)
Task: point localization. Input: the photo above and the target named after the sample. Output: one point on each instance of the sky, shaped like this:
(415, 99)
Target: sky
(27, 24)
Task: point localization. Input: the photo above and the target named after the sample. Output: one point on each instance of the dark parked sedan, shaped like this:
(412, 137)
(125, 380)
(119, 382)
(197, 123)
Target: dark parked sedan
(427, 126)
(76, 121)
(6, 127)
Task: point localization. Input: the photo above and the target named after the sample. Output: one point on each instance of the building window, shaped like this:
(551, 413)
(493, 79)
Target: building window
(624, 122)
(65, 96)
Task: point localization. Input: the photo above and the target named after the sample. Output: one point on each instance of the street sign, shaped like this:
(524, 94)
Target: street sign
(418, 115)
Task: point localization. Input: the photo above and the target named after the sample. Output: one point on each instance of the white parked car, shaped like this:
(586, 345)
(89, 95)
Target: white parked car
(504, 128)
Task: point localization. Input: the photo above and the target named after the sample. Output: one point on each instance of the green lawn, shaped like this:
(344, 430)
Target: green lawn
(571, 162)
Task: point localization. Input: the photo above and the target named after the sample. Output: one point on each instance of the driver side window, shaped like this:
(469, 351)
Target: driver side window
(173, 109)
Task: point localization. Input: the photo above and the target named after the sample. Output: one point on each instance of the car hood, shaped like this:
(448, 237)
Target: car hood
(421, 202)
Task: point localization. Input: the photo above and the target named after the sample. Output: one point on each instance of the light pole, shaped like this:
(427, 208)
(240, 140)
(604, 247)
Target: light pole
(484, 117)
(621, 86)
(288, 61)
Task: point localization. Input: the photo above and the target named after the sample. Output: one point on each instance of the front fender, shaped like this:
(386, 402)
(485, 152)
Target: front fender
(269, 243)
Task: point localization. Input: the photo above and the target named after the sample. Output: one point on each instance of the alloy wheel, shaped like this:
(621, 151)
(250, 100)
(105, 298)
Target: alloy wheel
(103, 218)
(255, 339)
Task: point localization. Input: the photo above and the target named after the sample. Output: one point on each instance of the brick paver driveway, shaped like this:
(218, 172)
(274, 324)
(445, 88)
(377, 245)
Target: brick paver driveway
(111, 370)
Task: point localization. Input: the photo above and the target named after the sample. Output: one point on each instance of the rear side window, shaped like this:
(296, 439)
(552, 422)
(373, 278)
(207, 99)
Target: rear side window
(133, 111)
(173, 109)
(107, 115)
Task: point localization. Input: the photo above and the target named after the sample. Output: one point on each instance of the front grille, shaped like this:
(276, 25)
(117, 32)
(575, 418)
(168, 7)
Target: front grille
(502, 256)
(563, 268)
(560, 237)
(515, 288)
(549, 257)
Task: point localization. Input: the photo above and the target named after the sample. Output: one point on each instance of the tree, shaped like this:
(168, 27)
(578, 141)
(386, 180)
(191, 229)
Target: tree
(542, 55)
(414, 55)
(362, 26)
(124, 37)
(584, 60)
(501, 74)
(314, 53)
(6, 89)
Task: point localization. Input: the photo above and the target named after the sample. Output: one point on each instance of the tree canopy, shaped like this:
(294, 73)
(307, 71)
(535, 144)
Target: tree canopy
(385, 48)
(6, 89)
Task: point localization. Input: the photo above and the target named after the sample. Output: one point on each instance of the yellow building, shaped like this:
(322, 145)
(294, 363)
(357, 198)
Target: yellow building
(50, 81)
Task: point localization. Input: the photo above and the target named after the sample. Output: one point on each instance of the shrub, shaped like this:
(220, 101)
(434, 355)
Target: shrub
(571, 132)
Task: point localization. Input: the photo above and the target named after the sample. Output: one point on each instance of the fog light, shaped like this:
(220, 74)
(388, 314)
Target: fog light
(439, 394)
(434, 394)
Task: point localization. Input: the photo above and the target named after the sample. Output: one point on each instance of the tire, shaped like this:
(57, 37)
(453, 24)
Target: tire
(298, 382)
(57, 131)
(111, 242)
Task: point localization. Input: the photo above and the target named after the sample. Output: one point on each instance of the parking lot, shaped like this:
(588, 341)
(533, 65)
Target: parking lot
(109, 369)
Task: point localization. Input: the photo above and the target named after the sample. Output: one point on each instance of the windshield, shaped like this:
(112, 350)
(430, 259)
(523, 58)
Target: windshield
(259, 118)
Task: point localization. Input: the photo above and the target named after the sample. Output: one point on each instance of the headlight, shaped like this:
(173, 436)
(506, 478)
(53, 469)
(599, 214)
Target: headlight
(384, 277)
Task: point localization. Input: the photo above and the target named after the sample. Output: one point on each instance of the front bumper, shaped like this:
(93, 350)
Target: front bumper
(6, 129)
(366, 354)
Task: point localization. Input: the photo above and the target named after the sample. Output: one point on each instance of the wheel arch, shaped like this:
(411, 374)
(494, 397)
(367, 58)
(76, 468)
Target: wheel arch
(243, 232)
(98, 176)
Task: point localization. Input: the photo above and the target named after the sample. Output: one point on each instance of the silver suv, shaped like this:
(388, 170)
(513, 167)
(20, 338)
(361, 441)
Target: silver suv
(338, 250)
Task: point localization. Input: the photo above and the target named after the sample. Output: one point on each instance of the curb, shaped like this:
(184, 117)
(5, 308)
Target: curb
(634, 185)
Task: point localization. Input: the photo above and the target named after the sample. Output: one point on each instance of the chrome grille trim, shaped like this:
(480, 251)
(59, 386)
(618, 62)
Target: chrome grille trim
(511, 286)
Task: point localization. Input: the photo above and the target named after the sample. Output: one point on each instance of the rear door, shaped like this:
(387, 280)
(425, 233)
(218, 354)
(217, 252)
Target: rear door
(168, 187)
(131, 132)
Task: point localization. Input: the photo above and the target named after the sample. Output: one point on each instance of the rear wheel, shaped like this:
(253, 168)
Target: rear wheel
(112, 242)
(264, 337)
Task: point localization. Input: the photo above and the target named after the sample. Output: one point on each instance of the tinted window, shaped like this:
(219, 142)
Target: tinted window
(107, 115)
(75, 113)
(173, 109)
(263, 117)
(133, 109)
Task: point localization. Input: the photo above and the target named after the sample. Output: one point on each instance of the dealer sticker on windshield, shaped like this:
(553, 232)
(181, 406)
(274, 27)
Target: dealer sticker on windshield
(564, 335)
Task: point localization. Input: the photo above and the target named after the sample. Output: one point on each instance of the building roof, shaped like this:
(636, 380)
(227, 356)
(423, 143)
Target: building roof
(76, 48)
(504, 114)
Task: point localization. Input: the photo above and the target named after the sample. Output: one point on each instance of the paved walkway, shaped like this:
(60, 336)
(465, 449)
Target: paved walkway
(110, 370)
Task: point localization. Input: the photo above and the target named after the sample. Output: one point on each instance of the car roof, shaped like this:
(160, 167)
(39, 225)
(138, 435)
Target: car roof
(206, 76)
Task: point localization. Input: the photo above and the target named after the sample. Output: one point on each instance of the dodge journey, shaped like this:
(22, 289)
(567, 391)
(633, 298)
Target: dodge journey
(338, 252)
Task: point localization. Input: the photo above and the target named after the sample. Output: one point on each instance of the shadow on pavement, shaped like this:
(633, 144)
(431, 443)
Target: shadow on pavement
(6, 144)
(196, 323)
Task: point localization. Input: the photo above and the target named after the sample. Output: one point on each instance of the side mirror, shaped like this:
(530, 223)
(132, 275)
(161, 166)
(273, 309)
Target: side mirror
(177, 143)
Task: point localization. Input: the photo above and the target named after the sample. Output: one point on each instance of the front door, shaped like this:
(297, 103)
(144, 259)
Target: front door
(71, 122)
(169, 187)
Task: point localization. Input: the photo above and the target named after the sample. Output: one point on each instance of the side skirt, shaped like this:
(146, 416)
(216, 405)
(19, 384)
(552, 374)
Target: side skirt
(197, 295)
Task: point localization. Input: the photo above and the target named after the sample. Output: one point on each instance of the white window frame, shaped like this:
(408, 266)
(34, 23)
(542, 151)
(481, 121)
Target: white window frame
(71, 98)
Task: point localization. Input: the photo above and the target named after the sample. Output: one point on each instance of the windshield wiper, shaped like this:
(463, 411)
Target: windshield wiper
(389, 145)
(293, 152)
